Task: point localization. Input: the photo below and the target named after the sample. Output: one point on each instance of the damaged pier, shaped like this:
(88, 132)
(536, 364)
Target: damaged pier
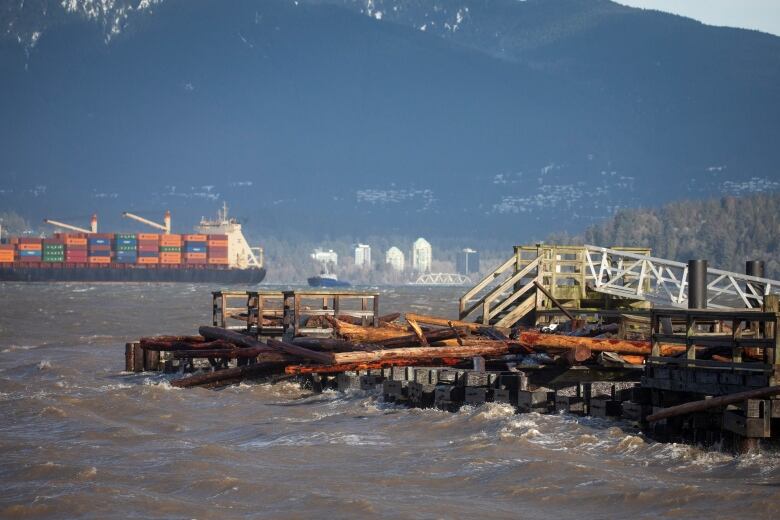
(686, 353)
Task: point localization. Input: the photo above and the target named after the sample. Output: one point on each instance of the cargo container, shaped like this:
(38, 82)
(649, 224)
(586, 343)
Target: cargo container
(216, 253)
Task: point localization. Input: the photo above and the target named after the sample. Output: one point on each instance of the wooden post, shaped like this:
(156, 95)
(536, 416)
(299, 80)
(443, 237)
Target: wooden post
(772, 328)
(296, 315)
(138, 357)
(129, 357)
(151, 360)
(376, 311)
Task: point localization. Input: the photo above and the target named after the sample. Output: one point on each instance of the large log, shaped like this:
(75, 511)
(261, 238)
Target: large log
(231, 376)
(295, 350)
(244, 353)
(431, 337)
(345, 367)
(172, 339)
(714, 402)
(332, 345)
(242, 340)
(176, 346)
(538, 341)
(444, 322)
(495, 348)
(361, 334)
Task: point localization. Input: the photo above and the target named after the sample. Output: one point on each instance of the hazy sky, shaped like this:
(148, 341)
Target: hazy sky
(763, 15)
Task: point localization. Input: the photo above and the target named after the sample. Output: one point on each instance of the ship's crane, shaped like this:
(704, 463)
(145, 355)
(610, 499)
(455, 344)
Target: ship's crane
(92, 224)
(165, 226)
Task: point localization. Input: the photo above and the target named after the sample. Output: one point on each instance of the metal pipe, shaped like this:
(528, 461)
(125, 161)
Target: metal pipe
(697, 284)
(755, 268)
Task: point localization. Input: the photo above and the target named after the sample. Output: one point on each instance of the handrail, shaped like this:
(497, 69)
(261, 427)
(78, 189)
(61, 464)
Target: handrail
(486, 313)
(498, 271)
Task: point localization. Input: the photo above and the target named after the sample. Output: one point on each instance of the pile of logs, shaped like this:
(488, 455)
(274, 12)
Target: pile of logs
(420, 341)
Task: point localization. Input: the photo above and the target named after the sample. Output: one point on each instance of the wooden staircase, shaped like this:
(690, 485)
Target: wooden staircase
(508, 295)
(511, 297)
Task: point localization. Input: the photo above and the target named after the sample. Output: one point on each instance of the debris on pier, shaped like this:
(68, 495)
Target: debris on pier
(559, 332)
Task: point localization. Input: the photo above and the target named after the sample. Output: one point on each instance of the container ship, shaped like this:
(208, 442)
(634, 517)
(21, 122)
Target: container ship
(216, 252)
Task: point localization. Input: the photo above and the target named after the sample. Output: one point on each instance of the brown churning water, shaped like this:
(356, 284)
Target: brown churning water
(79, 438)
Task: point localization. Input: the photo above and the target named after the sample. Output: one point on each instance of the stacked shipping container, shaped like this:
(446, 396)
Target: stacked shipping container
(125, 248)
(6, 253)
(29, 250)
(75, 249)
(195, 249)
(148, 248)
(170, 249)
(53, 250)
(121, 249)
(218, 249)
(99, 248)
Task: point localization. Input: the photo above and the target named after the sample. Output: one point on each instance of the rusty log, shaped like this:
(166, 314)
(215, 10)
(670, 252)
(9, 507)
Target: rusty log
(418, 332)
(634, 360)
(413, 340)
(577, 355)
(389, 318)
(538, 341)
(361, 334)
(496, 348)
(443, 322)
(714, 402)
(295, 350)
(345, 367)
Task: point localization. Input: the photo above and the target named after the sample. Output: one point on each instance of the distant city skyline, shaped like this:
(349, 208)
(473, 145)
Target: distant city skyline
(760, 15)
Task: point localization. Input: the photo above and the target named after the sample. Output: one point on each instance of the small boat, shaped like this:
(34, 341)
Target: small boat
(327, 280)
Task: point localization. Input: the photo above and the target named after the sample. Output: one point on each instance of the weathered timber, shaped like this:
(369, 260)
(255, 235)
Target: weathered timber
(345, 367)
(333, 345)
(418, 332)
(173, 339)
(633, 360)
(365, 334)
(495, 348)
(235, 353)
(230, 376)
(577, 355)
(553, 300)
(216, 333)
(298, 351)
(541, 341)
(389, 318)
(415, 339)
(443, 322)
(180, 345)
(715, 402)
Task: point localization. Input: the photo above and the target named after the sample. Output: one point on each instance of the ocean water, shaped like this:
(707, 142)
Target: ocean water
(79, 438)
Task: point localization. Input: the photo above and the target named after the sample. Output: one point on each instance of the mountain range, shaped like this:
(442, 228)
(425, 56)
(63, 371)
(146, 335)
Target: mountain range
(497, 119)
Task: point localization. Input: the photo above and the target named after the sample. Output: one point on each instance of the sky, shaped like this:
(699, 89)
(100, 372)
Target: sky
(762, 15)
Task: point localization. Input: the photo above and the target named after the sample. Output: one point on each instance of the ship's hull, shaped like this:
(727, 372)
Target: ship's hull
(316, 281)
(95, 274)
